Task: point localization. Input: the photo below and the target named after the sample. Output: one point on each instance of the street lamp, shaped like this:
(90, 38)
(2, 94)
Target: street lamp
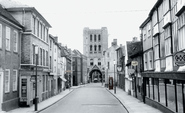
(36, 98)
(119, 68)
(107, 77)
(114, 78)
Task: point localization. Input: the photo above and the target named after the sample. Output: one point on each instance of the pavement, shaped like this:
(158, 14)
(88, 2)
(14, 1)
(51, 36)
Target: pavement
(44, 104)
(132, 104)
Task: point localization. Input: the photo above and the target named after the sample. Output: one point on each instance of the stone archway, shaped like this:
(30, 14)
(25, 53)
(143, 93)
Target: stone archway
(95, 76)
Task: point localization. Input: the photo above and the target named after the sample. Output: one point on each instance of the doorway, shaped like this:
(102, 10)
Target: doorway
(95, 76)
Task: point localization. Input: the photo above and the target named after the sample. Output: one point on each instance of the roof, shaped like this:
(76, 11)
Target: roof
(32, 9)
(12, 5)
(134, 48)
(4, 13)
(122, 49)
(157, 4)
(145, 22)
(54, 38)
(77, 53)
(64, 52)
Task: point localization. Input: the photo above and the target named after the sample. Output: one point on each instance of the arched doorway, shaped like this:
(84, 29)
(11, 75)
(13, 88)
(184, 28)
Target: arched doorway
(95, 76)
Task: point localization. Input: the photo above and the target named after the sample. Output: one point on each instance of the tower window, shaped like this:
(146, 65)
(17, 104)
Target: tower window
(91, 63)
(90, 47)
(99, 63)
(95, 38)
(99, 47)
(94, 47)
(99, 38)
(91, 38)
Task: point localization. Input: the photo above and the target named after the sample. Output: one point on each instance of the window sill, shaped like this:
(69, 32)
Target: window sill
(7, 50)
(7, 92)
(15, 90)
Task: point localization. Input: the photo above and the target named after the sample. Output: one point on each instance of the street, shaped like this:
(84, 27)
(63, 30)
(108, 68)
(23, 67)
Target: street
(93, 98)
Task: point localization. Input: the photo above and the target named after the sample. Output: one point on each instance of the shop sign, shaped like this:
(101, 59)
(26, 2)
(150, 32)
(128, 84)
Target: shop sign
(46, 70)
(68, 71)
(32, 78)
(179, 59)
(134, 63)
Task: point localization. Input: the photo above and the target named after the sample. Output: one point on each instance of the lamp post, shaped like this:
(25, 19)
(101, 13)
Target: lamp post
(36, 98)
(114, 78)
(119, 68)
(107, 77)
(102, 79)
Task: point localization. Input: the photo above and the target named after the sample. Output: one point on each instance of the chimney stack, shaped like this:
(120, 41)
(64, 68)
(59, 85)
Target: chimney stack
(114, 43)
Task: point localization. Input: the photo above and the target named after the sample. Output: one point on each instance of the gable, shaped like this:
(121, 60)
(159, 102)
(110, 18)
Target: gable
(95, 68)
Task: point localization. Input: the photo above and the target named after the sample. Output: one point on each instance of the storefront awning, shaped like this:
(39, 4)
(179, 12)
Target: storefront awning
(63, 79)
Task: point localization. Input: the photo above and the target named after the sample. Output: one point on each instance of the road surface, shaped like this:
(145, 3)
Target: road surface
(93, 98)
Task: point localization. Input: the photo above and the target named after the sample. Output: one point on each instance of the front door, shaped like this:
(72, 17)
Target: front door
(52, 88)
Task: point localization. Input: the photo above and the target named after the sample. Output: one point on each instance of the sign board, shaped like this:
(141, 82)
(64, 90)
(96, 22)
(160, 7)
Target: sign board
(32, 79)
(131, 71)
(134, 63)
(68, 70)
(179, 59)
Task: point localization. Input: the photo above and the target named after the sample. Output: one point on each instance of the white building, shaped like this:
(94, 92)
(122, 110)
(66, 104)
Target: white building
(111, 61)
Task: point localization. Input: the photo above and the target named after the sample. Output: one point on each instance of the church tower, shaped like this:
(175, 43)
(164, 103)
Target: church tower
(95, 42)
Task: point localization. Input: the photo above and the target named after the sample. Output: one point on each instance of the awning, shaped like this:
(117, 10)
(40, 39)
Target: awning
(63, 79)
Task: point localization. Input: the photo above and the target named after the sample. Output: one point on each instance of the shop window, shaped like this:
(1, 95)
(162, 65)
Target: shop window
(162, 91)
(156, 87)
(179, 96)
(171, 94)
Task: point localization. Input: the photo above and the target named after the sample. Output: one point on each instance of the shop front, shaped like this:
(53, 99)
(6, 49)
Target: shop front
(27, 86)
(165, 91)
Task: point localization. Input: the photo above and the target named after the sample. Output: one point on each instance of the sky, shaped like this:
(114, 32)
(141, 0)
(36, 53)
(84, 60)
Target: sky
(69, 17)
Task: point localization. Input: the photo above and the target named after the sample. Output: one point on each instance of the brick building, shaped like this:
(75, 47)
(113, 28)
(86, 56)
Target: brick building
(34, 34)
(10, 39)
(111, 62)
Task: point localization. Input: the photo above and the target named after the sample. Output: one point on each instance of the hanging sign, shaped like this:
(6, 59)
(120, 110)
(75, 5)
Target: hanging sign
(134, 63)
(179, 59)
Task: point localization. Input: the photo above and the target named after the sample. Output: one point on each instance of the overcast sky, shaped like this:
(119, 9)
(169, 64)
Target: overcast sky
(68, 18)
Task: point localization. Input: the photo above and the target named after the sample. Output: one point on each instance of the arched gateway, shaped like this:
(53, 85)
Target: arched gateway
(95, 75)
(95, 43)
